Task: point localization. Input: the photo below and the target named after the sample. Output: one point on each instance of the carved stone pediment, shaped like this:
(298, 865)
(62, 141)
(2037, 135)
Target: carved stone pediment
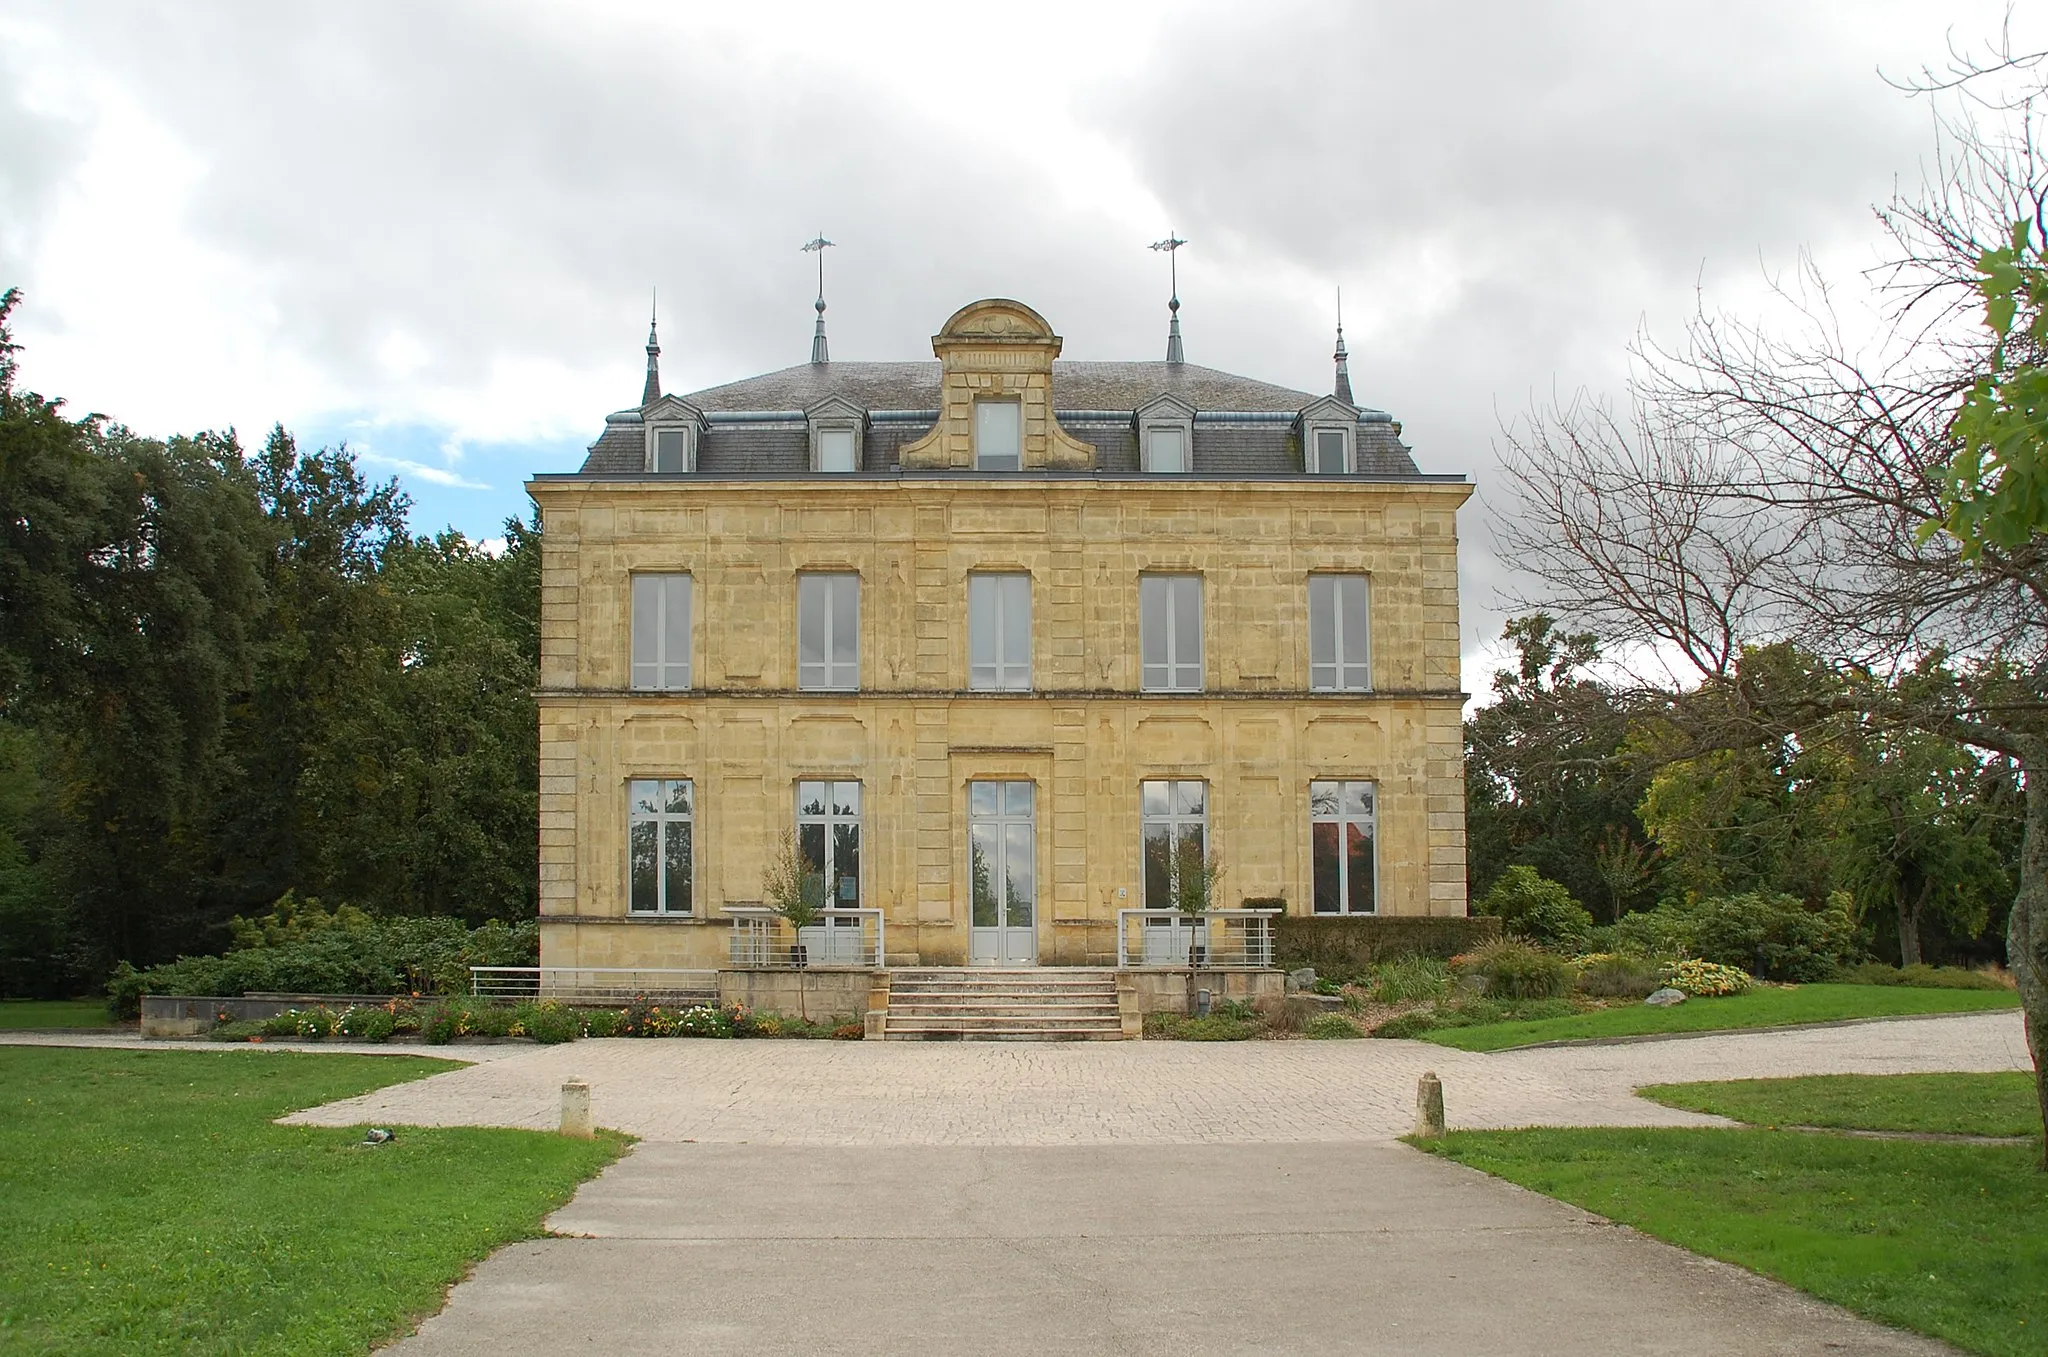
(997, 350)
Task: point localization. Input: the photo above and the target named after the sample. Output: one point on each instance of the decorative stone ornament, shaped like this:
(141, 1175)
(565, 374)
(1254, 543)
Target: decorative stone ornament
(997, 350)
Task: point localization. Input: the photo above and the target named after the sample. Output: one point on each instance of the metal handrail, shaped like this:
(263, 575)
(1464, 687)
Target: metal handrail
(1248, 933)
(756, 943)
(586, 984)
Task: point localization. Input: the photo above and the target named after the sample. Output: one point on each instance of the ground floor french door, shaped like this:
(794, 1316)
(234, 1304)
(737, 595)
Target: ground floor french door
(1002, 862)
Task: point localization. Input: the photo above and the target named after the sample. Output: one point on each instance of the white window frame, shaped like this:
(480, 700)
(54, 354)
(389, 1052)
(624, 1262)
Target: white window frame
(1177, 673)
(1344, 819)
(662, 663)
(1312, 448)
(1174, 820)
(1015, 405)
(991, 597)
(675, 426)
(665, 821)
(1338, 675)
(837, 671)
(830, 820)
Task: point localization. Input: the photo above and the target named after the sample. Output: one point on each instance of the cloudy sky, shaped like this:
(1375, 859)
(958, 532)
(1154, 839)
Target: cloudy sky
(431, 229)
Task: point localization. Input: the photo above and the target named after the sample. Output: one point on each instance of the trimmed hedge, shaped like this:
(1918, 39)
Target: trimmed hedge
(1345, 947)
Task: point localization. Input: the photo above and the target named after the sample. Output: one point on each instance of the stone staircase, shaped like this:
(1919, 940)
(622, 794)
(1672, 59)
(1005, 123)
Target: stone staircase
(1036, 1003)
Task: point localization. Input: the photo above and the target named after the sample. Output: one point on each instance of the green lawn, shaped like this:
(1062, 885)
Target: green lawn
(20, 1013)
(1950, 1240)
(1765, 1006)
(1969, 1104)
(148, 1205)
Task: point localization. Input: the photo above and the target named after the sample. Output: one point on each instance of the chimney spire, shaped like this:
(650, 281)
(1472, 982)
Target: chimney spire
(652, 391)
(817, 246)
(1343, 359)
(1171, 244)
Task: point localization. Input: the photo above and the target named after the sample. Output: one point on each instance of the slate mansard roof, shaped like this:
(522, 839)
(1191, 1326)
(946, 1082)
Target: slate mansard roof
(1242, 427)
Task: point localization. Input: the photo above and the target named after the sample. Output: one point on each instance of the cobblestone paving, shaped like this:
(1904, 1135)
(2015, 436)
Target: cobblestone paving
(912, 1093)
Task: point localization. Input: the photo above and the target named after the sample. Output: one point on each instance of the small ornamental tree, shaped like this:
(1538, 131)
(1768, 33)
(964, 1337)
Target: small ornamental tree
(795, 896)
(1195, 882)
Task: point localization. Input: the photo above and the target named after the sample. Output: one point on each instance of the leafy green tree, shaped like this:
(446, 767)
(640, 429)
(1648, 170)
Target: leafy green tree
(1995, 485)
(1548, 775)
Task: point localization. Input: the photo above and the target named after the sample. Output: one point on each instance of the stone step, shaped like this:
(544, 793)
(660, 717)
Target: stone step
(1058, 993)
(899, 1010)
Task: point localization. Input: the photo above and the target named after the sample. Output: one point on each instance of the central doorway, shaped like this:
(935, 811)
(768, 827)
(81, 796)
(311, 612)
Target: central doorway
(1002, 846)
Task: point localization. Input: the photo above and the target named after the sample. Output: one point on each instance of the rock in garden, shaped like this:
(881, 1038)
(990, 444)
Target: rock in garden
(1666, 997)
(1303, 979)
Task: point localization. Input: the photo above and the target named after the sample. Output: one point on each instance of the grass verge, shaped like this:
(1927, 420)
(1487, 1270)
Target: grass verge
(17, 1014)
(148, 1205)
(1956, 1104)
(1948, 1240)
(1765, 1006)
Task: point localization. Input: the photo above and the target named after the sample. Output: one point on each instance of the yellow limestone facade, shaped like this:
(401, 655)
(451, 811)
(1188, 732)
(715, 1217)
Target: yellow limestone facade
(915, 734)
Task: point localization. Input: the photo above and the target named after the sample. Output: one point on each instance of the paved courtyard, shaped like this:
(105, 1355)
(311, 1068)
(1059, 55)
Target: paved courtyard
(818, 1093)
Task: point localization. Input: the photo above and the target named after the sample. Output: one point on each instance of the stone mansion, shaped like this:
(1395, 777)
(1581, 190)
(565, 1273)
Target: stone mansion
(1002, 644)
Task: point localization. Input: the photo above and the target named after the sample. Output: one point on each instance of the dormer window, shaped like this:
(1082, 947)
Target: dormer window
(1166, 448)
(1328, 427)
(669, 448)
(998, 435)
(672, 426)
(835, 449)
(836, 427)
(1331, 455)
(1166, 436)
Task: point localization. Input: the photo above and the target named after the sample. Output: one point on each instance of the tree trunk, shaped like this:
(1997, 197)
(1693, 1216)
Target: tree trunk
(1909, 924)
(2026, 935)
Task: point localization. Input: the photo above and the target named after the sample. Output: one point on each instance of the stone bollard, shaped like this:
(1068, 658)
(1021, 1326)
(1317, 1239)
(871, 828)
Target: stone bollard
(1429, 1107)
(576, 1109)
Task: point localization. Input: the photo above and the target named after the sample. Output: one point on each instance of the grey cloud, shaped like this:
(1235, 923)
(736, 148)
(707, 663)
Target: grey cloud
(36, 153)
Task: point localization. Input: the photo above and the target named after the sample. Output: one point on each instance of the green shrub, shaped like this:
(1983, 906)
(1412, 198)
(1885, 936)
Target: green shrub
(366, 1022)
(705, 1022)
(1329, 1027)
(1533, 906)
(301, 949)
(237, 1031)
(1517, 970)
(1921, 976)
(1611, 976)
(1408, 979)
(551, 1023)
(1707, 979)
(1407, 1024)
(1773, 937)
(602, 1022)
(1345, 947)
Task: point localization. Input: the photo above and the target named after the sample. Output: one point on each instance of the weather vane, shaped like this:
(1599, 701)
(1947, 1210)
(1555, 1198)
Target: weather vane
(1170, 245)
(817, 245)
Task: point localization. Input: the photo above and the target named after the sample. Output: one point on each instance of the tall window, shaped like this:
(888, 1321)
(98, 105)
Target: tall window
(999, 633)
(1328, 456)
(1166, 448)
(828, 839)
(835, 450)
(1342, 817)
(658, 836)
(661, 631)
(1170, 633)
(998, 435)
(828, 632)
(1175, 819)
(1339, 634)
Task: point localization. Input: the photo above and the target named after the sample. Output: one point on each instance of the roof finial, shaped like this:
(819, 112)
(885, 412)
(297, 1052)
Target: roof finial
(1171, 244)
(652, 391)
(1343, 360)
(817, 246)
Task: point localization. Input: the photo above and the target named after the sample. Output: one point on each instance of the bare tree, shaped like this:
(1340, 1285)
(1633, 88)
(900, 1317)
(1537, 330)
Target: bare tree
(1782, 483)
